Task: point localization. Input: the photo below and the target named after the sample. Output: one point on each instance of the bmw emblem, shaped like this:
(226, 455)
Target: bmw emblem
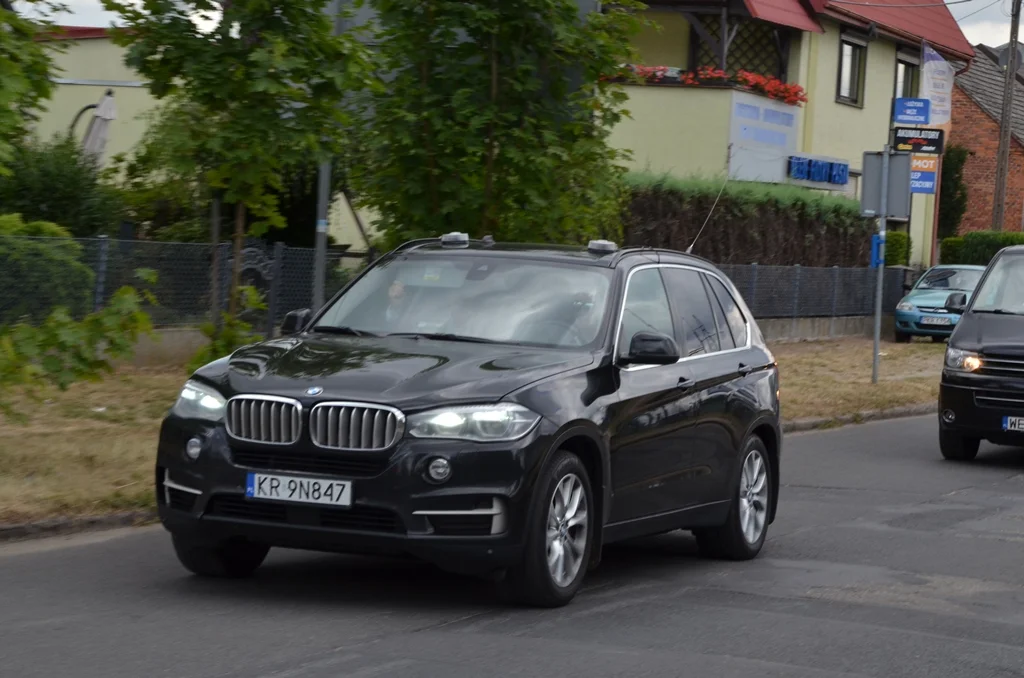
(314, 391)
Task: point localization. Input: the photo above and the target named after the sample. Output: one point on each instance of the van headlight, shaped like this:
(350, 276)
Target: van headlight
(476, 423)
(199, 401)
(964, 361)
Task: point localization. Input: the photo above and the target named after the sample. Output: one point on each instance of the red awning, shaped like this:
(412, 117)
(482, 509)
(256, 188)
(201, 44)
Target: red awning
(784, 13)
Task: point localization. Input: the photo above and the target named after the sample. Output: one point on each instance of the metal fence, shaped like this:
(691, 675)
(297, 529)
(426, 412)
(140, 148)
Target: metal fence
(284, 275)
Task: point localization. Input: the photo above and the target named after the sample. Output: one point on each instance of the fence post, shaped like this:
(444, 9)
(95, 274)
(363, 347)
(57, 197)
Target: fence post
(275, 289)
(753, 289)
(796, 301)
(835, 301)
(101, 273)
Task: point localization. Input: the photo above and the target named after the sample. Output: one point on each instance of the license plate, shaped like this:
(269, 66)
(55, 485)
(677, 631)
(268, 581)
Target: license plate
(1014, 424)
(936, 321)
(298, 490)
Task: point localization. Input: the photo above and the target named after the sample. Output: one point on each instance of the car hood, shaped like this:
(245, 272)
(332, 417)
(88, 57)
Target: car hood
(990, 333)
(930, 298)
(403, 372)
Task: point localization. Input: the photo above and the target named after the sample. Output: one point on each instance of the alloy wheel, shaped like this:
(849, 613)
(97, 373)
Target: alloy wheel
(753, 497)
(567, 530)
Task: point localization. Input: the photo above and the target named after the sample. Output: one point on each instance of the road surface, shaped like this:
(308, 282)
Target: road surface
(885, 561)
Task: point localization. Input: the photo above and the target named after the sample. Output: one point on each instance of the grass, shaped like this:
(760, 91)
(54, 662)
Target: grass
(89, 450)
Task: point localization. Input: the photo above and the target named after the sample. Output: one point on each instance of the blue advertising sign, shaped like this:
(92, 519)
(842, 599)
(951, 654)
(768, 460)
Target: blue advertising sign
(912, 111)
(922, 182)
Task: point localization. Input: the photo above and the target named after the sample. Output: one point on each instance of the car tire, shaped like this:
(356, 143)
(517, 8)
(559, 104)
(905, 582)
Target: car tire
(555, 527)
(901, 337)
(956, 447)
(739, 538)
(232, 559)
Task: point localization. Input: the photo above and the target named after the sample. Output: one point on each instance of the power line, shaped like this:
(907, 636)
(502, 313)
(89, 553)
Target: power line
(886, 4)
(970, 14)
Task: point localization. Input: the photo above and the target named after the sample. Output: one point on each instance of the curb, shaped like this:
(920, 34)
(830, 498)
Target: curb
(801, 425)
(62, 526)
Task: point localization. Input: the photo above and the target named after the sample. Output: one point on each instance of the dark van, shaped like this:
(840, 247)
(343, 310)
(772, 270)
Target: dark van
(982, 391)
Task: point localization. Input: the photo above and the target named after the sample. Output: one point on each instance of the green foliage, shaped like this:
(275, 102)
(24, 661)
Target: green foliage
(26, 68)
(14, 224)
(952, 191)
(951, 250)
(751, 223)
(233, 333)
(57, 181)
(62, 350)
(897, 248)
(980, 246)
(41, 274)
(493, 118)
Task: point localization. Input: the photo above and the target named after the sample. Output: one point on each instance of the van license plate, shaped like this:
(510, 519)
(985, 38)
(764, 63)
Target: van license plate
(1014, 424)
(298, 490)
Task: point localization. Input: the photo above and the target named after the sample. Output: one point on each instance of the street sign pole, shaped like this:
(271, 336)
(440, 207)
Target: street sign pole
(883, 213)
(320, 257)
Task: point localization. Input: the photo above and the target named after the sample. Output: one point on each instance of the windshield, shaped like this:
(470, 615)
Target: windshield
(958, 279)
(484, 298)
(1003, 291)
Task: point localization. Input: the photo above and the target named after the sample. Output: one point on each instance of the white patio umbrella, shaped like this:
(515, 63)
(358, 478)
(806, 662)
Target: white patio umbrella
(95, 140)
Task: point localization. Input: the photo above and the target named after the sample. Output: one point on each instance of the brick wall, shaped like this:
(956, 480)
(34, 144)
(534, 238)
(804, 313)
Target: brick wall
(979, 133)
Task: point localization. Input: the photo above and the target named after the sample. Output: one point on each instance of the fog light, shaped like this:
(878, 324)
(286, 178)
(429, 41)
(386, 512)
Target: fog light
(948, 416)
(439, 470)
(193, 448)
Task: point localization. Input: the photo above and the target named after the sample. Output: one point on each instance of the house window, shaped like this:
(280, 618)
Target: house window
(852, 56)
(908, 76)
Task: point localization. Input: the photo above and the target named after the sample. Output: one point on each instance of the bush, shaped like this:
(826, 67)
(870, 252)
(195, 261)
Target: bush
(37, 275)
(980, 246)
(56, 181)
(951, 250)
(764, 223)
(897, 249)
(952, 191)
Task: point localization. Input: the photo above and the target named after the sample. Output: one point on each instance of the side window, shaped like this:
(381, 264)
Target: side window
(646, 308)
(733, 315)
(724, 333)
(700, 332)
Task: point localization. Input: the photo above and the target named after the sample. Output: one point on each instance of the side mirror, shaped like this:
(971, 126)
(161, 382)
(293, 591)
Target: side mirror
(956, 303)
(295, 321)
(650, 348)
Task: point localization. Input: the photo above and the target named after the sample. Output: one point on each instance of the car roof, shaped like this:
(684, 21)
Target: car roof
(575, 254)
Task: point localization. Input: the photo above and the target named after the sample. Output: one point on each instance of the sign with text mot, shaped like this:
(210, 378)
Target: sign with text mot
(912, 111)
(923, 174)
(924, 141)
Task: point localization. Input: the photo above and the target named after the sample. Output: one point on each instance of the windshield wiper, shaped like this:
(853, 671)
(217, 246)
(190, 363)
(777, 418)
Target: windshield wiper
(445, 336)
(336, 329)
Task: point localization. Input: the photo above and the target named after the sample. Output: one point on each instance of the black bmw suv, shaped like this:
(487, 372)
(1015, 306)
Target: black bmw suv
(500, 410)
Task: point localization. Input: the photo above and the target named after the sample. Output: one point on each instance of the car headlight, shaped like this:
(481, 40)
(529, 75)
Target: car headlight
(199, 401)
(904, 306)
(965, 361)
(477, 423)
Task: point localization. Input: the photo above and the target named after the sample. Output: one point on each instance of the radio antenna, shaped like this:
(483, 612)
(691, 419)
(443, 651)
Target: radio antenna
(689, 250)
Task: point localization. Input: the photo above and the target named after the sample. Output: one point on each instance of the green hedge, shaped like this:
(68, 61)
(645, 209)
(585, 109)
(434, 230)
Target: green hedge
(951, 250)
(38, 274)
(764, 223)
(897, 249)
(980, 246)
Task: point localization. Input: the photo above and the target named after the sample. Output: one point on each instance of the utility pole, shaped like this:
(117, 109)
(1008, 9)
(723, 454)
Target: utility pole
(1003, 162)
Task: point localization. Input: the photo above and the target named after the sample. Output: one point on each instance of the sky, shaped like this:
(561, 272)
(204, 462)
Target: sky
(982, 21)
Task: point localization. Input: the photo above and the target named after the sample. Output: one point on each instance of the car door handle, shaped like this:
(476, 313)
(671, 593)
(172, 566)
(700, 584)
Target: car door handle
(684, 383)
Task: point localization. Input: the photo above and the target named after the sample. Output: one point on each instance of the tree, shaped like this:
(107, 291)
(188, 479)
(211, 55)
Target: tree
(266, 82)
(952, 191)
(495, 119)
(26, 64)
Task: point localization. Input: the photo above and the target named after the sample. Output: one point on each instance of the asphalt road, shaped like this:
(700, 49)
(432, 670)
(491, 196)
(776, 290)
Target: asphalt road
(885, 561)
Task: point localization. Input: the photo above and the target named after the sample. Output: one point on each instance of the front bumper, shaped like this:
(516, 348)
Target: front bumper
(979, 406)
(474, 522)
(913, 322)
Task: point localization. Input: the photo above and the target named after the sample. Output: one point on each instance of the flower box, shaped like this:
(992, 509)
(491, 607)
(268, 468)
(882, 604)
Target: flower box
(709, 76)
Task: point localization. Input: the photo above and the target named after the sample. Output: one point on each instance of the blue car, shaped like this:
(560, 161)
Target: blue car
(922, 312)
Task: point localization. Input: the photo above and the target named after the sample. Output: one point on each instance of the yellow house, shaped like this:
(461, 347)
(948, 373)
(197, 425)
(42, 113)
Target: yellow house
(851, 57)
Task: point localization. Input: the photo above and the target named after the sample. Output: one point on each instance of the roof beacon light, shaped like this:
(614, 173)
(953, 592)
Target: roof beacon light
(602, 247)
(455, 239)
